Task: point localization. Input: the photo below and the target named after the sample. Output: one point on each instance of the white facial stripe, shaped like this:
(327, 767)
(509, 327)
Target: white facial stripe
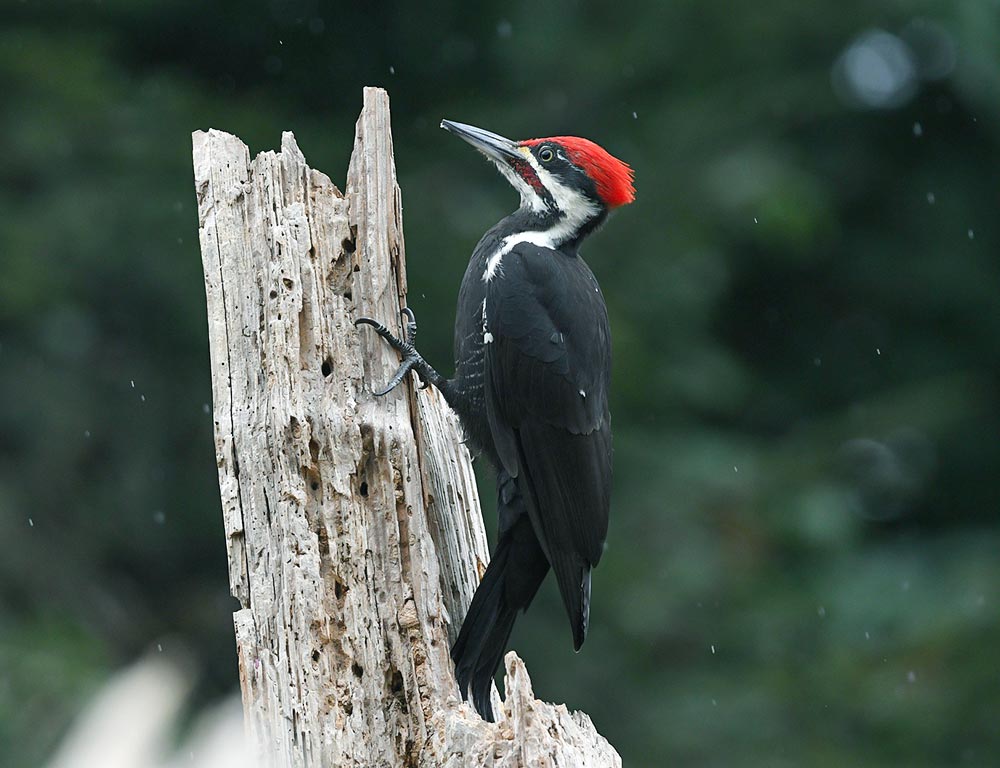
(575, 209)
(529, 198)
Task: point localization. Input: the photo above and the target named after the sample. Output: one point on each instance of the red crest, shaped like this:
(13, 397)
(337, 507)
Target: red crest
(612, 177)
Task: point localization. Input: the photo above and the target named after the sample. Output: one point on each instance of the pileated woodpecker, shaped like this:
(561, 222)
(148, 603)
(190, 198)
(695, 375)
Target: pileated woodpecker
(532, 369)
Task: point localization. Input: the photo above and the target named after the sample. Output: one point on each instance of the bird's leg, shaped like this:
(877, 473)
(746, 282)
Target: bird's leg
(412, 360)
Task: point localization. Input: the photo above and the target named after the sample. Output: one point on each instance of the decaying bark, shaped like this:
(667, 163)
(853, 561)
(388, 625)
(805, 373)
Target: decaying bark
(353, 525)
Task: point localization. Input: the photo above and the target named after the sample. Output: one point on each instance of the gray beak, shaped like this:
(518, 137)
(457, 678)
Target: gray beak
(494, 147)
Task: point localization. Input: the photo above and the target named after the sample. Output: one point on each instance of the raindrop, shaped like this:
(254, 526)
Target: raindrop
(878, 351)
(86, 433)
(905, 586)
(715, 703)
(159, 647)
(635, 115)
(918, 130)
(971, 234)
(735, 468)
(713, 649)
(31, 522)
(930, 198)
(821, 612)
(755, 220)
(868, 636)
(133, 383)
(205, 408)
(817, 362)
(911, 676)
(392, 70)
(504, 28)
(142, 397)
(159, 517)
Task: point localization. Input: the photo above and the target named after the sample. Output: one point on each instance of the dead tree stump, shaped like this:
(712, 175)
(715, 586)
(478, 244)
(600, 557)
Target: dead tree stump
(352, 524)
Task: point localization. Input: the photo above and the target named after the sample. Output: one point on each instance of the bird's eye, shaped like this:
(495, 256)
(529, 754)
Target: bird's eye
(546, 155)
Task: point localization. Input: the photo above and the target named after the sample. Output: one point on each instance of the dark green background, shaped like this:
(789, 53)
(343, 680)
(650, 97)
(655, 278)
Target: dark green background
(804, 560)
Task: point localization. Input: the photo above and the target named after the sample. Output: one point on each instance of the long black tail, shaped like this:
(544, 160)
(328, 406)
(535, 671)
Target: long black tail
(511, 580)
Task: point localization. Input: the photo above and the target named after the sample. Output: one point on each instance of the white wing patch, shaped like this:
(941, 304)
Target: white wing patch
(493, 265)
(487, 336)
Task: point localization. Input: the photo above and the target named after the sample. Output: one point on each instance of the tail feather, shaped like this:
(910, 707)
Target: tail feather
(573, 577)
(509, 584)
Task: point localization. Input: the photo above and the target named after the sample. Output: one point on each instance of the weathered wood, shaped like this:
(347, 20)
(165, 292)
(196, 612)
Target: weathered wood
(353, 526)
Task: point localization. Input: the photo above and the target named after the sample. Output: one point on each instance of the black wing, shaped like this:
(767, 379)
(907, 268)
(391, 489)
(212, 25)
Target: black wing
(548, 363)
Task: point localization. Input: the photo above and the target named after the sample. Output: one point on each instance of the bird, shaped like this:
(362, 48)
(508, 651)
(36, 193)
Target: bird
(531, 386)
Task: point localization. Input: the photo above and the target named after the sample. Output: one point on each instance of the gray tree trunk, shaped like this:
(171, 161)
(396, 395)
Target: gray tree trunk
(352, 523)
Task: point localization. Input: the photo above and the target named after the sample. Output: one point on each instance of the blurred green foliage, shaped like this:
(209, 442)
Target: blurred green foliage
(803, 563)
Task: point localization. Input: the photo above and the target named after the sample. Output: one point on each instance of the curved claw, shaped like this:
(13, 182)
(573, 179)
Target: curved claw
(397, 377)
(382, 331)
(412, 361)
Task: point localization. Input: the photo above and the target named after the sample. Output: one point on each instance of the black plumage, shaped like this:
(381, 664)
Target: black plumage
(533, 361)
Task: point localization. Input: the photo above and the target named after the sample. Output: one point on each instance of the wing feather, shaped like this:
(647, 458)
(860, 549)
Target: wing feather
(547, 379)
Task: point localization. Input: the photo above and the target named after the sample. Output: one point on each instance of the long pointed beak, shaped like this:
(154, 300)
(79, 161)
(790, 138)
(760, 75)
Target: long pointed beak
(490, 144)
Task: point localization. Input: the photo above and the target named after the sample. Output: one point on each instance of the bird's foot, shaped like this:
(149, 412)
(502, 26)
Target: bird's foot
(412, 360)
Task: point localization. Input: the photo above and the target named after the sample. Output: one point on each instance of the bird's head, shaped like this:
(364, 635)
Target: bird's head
(566, 178)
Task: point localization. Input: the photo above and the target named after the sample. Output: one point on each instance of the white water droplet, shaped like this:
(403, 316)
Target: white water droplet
(159, 647)
(635, 116)
(713, 649)
(31, 522)
(931, 199)
(972, 235)
(911, 677)
(867, 636)
(918, 130)
(878, 351)
(735, 468)
(821, 612)
(133, 383)
(392, 70)
(755, 220)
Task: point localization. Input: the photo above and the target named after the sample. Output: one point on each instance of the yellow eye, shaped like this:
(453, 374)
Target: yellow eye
(546, 155)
